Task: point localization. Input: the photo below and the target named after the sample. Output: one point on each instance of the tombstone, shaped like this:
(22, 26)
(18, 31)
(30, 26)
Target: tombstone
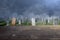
(42, 19)
(33, 21)
(19, 22)
(48, 20)
(7, 23)
(55, 22)
(13, 21)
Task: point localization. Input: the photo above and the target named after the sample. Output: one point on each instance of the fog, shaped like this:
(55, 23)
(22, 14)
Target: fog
(29, 8)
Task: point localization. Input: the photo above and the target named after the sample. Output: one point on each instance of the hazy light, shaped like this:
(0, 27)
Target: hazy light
(51, 3)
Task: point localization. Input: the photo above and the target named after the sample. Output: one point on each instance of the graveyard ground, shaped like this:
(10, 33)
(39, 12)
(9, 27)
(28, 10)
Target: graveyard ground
(45, 32)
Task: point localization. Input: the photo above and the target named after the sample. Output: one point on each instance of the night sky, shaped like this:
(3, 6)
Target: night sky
(29, 7)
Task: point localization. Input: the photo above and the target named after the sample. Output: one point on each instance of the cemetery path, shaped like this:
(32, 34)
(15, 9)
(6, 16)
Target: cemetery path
(30, 33)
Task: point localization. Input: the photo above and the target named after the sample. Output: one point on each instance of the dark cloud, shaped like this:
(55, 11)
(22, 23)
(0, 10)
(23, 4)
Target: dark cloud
(25, 7)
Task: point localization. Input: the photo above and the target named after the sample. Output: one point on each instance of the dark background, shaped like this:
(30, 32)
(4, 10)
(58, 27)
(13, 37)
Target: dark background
(10, 8)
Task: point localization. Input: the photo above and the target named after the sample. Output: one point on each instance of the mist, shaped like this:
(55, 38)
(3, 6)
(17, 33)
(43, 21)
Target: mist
(29, 8)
